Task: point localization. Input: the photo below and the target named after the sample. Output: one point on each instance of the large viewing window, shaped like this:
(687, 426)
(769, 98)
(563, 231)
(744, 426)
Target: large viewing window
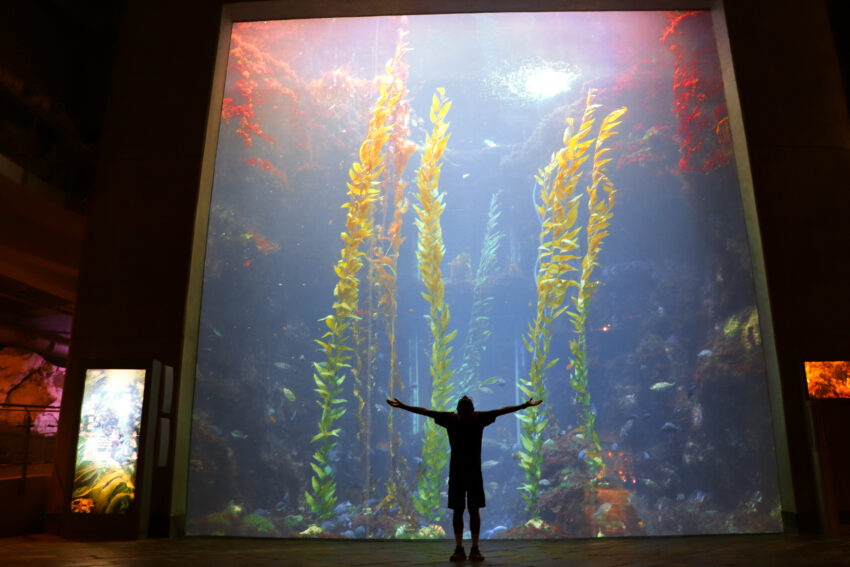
(500, 205)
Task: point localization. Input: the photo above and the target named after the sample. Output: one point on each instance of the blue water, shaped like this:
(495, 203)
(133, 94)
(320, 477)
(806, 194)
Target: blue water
(675, 360)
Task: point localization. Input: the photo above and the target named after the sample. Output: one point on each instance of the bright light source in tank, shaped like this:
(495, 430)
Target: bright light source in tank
(534, 80)
(541, 84)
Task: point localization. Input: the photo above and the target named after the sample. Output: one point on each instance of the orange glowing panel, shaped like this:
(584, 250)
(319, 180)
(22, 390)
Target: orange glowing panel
(828, 378)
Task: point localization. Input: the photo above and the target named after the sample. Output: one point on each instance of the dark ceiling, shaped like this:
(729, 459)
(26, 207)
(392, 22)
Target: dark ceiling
(55, 62)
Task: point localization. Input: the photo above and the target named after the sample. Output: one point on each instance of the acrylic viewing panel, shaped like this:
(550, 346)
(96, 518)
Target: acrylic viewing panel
(108, 442)
(828, 379)
(500, 205)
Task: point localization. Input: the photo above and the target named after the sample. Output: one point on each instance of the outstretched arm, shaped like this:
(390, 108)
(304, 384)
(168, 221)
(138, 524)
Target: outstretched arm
(396, 403)
(510, 409)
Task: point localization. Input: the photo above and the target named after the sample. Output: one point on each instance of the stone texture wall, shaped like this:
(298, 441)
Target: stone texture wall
(26, 378)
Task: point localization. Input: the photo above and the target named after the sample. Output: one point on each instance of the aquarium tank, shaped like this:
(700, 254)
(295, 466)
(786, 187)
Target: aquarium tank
(505, 206)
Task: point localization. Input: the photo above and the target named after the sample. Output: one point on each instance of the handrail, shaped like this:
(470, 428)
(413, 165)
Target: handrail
(30, 406)
(27, 425)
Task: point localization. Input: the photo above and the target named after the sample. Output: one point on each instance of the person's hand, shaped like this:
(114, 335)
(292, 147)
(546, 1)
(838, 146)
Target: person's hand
(395, 402)
(530, 402)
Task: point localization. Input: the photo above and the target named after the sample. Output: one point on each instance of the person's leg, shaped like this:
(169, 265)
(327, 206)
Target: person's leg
(474, 528)
(474, 525)
(457, 524)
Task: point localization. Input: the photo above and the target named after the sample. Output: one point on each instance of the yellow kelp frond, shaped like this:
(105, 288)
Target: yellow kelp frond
(363, 192)
(383, 266)
(558, 210)
(600, 213)
(430, 253)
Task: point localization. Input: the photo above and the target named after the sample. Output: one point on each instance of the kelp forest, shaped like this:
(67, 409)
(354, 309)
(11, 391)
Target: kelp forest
(424, 208)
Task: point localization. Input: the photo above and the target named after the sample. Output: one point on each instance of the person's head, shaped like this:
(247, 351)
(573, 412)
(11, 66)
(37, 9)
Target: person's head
(465, 406)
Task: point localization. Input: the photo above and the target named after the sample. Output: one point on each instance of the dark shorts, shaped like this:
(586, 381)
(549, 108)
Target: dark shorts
(466, 490)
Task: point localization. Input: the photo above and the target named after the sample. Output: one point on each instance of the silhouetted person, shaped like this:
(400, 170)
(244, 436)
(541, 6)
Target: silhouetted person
(466, 484)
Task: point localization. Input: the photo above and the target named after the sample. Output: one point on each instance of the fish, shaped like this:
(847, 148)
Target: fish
(216, 332)
(283, 365)
(670, 426)
(238, 434)
(290, 395)
(272, 419)
(627, 427)
(492, 380)
(490, 143)
(659, 386)
(705, 353)
(263, 244)
(490, 533)
(698, 497)
(602, 511)
(545, 482)
(485, 389)
(489, 464)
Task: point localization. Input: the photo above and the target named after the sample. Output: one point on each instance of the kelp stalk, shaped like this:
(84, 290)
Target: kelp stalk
(558, 240)
(600, 209)
(384, 263)
(478, 329)
(363, 191)
(430, 254)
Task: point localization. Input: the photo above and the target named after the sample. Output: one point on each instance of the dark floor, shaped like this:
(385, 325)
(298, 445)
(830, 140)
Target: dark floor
(715, 551)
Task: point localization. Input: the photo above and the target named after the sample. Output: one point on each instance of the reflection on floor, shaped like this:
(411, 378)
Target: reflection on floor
(751, 550)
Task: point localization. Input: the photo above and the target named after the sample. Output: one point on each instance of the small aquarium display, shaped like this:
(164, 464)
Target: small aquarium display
(108, 441)
(504, 206)
(828, 378)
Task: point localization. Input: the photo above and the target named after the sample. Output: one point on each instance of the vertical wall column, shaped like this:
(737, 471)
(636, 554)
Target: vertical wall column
(798, 140)
(140, 228)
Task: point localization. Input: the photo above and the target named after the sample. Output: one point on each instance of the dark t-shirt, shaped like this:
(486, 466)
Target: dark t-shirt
(465, 439)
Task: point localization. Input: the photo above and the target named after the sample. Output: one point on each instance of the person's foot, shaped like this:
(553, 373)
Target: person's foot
(458, 555)
(475, 554)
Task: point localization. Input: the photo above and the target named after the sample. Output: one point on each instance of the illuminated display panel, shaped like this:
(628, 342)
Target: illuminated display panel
(108, 442)
(385, 222)
(828, 378)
